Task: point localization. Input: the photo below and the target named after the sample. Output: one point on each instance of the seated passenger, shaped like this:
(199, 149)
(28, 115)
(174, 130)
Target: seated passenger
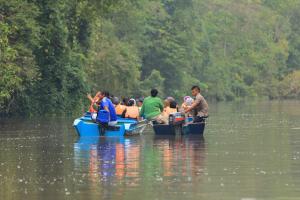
(140, 103)
(132, 111)
(152, 107)
(173, 106)
(125, 101)
(105, 103)
(119, 108)
(169, 107)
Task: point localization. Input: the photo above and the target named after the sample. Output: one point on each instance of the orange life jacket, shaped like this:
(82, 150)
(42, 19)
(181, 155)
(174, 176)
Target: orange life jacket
(132, 112)
(120, 109)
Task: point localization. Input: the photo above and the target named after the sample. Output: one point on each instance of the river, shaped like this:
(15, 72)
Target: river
(250, 151)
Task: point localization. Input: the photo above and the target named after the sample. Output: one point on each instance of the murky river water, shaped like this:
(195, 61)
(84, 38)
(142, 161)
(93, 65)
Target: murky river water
(250, 151)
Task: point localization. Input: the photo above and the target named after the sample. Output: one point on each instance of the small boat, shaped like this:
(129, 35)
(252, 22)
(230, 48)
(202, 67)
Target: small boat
(179, 125)
(176, 121)
(86, 127)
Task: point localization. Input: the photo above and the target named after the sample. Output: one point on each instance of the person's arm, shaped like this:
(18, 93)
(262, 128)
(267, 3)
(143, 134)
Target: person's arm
(142, 110)
(90, 98)
(106, 108)
(193, 106)
(93, 100)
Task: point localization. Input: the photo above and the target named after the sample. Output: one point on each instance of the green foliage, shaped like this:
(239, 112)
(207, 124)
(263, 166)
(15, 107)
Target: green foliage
(53, 52)
(114, 65)
(289, 87)
(154, 80)
(19, 35)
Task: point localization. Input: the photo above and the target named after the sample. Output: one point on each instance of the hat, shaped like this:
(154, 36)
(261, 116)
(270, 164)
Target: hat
(132, 101)
(188, 100)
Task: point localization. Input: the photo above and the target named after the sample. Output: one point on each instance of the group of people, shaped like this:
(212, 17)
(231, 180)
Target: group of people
(151, 108)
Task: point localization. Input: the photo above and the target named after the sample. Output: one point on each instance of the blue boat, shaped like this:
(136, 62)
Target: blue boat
(86, 127)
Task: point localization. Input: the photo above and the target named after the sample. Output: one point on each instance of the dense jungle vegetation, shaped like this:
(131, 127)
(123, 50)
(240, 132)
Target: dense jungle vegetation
(54, 52)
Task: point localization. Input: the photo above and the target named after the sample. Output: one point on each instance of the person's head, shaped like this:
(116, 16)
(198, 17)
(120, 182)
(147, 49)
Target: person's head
(170, 99)
(154, 92)
(115, 100)
(139, 102)
(106, 93)
(131, 102)
(173, 104)
(103, 94)
(166, 103)
(195, 90)
(125, 101)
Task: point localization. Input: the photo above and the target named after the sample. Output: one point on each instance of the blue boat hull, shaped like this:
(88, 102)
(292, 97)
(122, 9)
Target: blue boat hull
(85, 127)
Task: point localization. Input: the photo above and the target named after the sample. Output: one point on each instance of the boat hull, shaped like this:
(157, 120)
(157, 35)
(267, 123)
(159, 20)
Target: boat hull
(194, 128)
(85, 127)
(187, 127)
(165, 129)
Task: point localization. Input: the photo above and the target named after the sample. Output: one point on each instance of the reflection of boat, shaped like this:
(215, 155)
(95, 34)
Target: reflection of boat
(108, 158)
(179, 125)
(181, 155)
(86, 127)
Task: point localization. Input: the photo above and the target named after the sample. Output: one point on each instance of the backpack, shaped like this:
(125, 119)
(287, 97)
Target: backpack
(102, 116)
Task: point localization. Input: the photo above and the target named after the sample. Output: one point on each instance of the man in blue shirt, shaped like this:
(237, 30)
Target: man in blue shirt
(107, 105)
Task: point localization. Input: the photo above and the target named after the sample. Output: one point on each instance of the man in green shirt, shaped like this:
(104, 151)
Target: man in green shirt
(152, 107)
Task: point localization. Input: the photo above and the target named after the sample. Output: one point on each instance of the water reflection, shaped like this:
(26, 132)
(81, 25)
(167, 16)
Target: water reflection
(249, 152)
(113, 161)
(181, 156)
(108, 159)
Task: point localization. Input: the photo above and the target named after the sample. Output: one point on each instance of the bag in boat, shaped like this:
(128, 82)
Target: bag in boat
(103, 116)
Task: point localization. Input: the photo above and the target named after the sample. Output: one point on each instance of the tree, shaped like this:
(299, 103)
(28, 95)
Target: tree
(19, 35)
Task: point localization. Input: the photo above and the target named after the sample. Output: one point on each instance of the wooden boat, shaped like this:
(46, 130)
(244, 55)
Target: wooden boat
(86, 127)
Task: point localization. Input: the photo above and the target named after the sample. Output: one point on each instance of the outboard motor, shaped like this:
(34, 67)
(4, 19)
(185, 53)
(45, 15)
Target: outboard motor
(176, 118)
